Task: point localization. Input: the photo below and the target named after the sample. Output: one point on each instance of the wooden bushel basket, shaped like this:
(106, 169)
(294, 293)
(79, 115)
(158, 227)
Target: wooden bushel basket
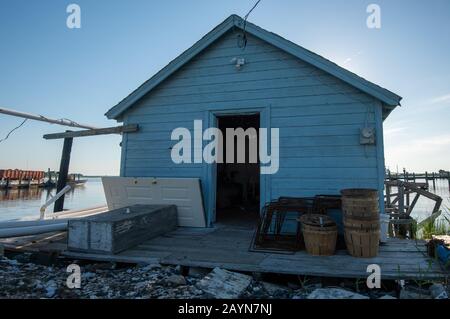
(360, 203)
(320, 234)
(362, 237)
(361, 221)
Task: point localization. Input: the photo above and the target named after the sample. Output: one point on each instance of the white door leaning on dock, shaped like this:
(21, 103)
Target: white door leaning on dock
(185, 193)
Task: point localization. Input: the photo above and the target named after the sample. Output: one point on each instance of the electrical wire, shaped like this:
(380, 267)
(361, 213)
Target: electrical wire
(10, 132)
(253, 8)
(242, 43)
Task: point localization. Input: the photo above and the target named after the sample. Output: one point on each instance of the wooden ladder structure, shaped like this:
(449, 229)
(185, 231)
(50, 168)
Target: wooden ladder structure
(399, 205)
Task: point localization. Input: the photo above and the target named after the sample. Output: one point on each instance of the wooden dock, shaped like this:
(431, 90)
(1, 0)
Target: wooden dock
(414, 177)
(228, 247)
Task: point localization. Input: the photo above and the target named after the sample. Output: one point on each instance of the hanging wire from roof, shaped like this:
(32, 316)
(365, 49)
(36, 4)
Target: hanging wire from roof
(242, 41)
(10, 132)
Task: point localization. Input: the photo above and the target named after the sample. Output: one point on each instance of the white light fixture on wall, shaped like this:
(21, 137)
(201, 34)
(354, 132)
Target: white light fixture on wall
(238, 62)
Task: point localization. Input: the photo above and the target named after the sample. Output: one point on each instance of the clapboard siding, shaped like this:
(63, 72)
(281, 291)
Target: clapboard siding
(333, 101)
(319, 119)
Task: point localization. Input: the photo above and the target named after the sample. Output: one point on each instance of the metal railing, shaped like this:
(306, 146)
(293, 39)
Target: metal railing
(62, 192)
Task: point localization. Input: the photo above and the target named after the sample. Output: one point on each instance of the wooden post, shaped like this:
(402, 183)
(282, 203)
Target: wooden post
(401, 198)
(434, 181)
(426, 178)
(63, 172)
(448, 179)
(411, 207)
(408, 198)
(388, 195)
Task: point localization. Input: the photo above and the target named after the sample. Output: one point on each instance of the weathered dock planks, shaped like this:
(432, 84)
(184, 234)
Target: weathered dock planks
(227, 247)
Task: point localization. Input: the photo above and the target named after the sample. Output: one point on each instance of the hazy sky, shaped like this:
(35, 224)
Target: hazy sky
(79, 74)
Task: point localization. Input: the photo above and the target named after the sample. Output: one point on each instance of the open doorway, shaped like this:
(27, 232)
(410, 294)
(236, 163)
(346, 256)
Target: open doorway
(237, 187)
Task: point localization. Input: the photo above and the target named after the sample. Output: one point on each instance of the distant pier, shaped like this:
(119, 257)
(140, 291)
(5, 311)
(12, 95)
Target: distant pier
(427, 177)
(25, 179)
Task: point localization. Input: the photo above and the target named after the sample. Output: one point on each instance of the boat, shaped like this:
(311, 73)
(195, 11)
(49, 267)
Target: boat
(75, 180)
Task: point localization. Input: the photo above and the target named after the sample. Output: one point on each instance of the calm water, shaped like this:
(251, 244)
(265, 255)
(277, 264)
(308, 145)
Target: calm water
(25, 203)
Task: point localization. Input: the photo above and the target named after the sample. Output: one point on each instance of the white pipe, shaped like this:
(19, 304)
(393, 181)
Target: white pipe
(70, 213)
(42, 118)
(32, 227)
(31, 223)
(82, 210)
(32, 230)
(53, 199)
(77, 215)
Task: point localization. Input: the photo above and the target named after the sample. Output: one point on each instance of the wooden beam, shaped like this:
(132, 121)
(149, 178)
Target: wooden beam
(63, 172)
(401, 199)
(99, 131)
(411, 207)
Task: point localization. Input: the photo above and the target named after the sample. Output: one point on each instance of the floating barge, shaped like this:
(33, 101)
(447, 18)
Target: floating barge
(18, 179)
(23, 179)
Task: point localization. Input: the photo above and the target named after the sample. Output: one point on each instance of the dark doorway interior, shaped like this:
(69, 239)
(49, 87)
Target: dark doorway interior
(237, 196)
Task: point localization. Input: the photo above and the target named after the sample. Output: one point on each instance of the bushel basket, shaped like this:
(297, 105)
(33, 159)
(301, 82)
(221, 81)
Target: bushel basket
(320, 234)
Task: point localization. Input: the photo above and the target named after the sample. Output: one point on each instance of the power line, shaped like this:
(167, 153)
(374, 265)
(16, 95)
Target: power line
(10, 132)
(244, 35)
(253, 8)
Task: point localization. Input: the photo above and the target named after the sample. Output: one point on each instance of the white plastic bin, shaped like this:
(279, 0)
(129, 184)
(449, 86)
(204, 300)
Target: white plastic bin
(384, 227)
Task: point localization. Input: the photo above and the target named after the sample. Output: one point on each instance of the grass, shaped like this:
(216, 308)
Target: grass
(440, 226)
(437, 227)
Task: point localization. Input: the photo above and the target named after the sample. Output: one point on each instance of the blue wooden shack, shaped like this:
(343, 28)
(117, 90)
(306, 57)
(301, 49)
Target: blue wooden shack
(330, 120)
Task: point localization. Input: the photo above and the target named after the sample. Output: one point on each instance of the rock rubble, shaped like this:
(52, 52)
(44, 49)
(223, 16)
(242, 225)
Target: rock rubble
(19, 278)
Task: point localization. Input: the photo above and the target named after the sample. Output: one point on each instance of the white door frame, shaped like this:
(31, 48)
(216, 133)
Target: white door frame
(211, 171)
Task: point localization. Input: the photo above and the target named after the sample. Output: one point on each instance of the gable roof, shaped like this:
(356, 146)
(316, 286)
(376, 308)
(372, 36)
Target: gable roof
(390, 100)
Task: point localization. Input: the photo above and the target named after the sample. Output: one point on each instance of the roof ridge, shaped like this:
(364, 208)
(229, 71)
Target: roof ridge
(387, 97)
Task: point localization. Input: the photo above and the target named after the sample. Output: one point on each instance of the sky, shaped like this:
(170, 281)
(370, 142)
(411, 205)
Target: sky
(49, 69)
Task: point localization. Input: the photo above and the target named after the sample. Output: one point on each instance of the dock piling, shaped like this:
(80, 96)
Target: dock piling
(63, 172)
(434, 181)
